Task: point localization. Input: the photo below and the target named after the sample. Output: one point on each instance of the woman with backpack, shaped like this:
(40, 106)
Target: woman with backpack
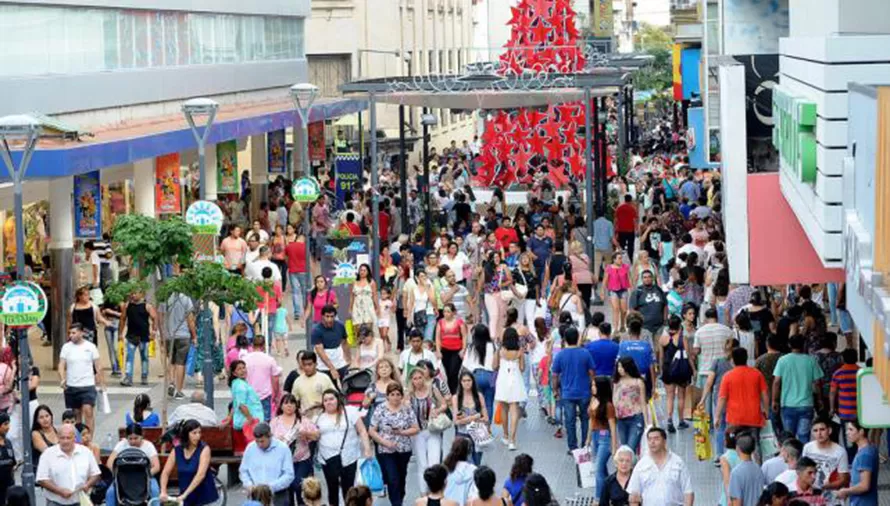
(677, 369)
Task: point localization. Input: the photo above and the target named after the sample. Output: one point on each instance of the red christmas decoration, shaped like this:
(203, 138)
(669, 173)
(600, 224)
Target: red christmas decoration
(543, 39)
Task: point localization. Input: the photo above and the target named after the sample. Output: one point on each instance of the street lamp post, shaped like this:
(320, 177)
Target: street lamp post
(201, 107)
(427, 120)
(192, 108)
(303, 95)
(27, 129)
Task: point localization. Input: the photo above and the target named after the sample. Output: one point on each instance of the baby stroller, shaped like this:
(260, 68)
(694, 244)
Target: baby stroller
(354, 385)
(132, 478)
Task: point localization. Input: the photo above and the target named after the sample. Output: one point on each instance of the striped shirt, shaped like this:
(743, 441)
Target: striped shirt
(843, 382)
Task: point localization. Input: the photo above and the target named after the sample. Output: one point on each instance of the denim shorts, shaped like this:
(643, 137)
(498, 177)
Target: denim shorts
(620, 294)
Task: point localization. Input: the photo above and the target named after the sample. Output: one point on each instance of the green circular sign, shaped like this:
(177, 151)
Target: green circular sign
(22, 304)
(306, 189)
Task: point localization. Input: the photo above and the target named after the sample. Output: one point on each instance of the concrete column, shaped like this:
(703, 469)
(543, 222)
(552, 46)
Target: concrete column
(211, 172)
(298, 150)
(259, 173)
(144, 186)
(61, 254)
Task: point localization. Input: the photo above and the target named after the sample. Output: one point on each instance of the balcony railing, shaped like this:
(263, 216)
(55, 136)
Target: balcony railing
(677, 5)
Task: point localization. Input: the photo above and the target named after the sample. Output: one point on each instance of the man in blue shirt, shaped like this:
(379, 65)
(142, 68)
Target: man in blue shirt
(541, 247)
(573, 368)
(603, 244)
(690, 190)
(863, 489)
(604, 351)
(267, 461)
(640, 351)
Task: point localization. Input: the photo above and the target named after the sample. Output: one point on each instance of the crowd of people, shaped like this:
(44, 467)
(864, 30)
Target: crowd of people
(619, 339)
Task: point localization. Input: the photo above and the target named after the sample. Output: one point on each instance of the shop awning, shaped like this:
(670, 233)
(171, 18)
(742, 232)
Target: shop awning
(780, 252)
(135, 140)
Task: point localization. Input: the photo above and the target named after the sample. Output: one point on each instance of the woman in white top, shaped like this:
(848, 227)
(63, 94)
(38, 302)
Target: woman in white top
(370, 349)
(510, 389)
(420, 305)
(456, 260)
(479, 360)
(570, 301)
(340, 431)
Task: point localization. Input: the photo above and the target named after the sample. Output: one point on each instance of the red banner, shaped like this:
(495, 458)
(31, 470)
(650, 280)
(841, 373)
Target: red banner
(168, 198)
(316, 142)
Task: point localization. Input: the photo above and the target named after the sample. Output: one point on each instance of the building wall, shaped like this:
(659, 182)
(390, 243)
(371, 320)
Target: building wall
(654, 12)
(754, 26)
(820, 17)
(73, 57)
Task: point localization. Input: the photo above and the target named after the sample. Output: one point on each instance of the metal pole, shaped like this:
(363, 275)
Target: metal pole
(594, 120)
(630, 117)
(305, 115)
(589, 171)
(28, 478)
(428, 217)
(202, 170)
(601, 144)
(375, 199)
(622, 123)
(361, 143)
(403, 170)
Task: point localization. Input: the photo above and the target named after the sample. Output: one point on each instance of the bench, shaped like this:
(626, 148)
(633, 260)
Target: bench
(219, 439)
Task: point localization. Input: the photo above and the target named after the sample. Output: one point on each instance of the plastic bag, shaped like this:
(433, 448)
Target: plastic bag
(190, 361)
(584, 470)
(371, 475)
(120, 352)
(247, 430)
(152, 349)
(701, 422)
(499, 414)
(769, 444)
(106, 406)
(350, 333)
(657, 412)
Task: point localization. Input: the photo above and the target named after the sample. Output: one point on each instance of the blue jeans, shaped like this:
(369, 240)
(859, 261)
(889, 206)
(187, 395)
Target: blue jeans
(832, 302)
(298, 283)
(526, 376)
(485, 384)
(111, 341)
(630, 431)
(601, 448)
(719, 432)
(572, 409)
(798, 421)
(395, 473)
(131, 356)
(302, 470)
(267, 408)
(111, 497)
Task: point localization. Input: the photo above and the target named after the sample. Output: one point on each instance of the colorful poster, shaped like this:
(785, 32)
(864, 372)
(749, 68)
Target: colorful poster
(677, 76)
(227, 168)
(603, 24)
(316, 142)
(347, 176)
(87, 206)
(168, 188)
(275, 147)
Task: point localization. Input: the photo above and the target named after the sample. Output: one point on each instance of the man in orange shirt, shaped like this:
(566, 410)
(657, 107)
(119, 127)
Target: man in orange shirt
(743, 394)
(626, 217)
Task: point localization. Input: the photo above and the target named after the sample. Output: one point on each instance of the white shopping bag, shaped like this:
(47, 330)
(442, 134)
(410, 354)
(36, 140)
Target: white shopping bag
(585, 472)
(106, 406)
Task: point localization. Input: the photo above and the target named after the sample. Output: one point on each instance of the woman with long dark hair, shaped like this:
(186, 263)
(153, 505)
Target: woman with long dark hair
(485, 481)
(341, 435)
(537, 491)
(247, 410)
(459, 486)
(363, 302)
(320, 296)
(523, 466)
(479, 360)
(296, 431)
(629, 400)
(451, 341)
(510, 389)
(602, 438)
(468, 407)
(496, 278)
(43, 432)
(673, 345)
(142, 413)
(192, 464)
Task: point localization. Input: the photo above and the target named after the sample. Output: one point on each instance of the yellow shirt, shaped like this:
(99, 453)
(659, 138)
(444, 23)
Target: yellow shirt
(310, 390)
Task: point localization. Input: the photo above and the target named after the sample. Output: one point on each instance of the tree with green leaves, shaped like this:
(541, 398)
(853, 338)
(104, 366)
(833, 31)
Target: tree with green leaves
(658, 43)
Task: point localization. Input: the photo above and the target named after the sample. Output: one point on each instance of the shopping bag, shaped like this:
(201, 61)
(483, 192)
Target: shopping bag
(480, 435)
(190, 361)
(701, 422)
(769, 443)
(499, 414)
(106, 406)
(584, 470)
(247, 430)
(152, 349)
(120, 352)
(657, 415)
(371, 475)
(350, 333)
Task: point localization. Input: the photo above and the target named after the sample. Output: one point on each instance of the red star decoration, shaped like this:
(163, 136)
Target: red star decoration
(521, 159)
(536, 143)
(576, 164)
(516, 16)
(541, 7)
(551, 128)
(541, 32)
(555, 149)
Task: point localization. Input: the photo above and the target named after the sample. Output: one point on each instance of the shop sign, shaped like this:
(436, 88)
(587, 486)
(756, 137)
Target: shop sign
(316, 142)
(602, 18)
(228, 181)
(276, 150)
(347, 175)
(87, 206)
(306, 189)
(872, 405)
(168, 190)
(794, 133)
(22, 304)
(205, 217)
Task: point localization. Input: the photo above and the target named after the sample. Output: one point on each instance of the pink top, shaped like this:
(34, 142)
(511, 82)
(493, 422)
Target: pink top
(619, 277)
(261, 369)
(321, 300)
(289, 433)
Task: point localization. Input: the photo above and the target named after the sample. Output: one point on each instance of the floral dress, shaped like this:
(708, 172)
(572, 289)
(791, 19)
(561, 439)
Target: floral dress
(363, 312)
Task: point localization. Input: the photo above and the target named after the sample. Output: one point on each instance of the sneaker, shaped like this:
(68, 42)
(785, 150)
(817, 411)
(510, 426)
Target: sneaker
(671, 428)
(523, 413)
(178, 396)
(511, 447)
(126, 382)
(682, 425)
(505, 441)
(171, 391)
(558, 434)
(143, 381)
(115, 374)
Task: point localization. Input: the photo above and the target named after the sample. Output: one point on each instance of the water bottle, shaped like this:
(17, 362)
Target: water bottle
(109, 442)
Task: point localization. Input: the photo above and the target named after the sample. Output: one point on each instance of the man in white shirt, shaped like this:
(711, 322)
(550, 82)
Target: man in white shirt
(67, 469)
(257, 229)
(78, 369)
(254, 270)
(661, 477)
(195, 410)
(708, 345)
(833, 469)
(414, 353)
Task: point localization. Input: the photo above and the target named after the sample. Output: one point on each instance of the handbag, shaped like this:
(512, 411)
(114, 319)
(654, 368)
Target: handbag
(440, 424)
(701, 422)
(680, 370)
(480, 435)
(521, 290)
(507, 296)
(420, 318)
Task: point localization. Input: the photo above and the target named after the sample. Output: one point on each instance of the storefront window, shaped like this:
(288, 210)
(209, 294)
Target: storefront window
(60, 40)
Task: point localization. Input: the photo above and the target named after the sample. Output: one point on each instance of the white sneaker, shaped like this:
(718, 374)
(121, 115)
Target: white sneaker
(511, 447)
(505, 441)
